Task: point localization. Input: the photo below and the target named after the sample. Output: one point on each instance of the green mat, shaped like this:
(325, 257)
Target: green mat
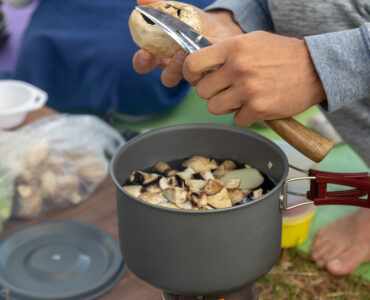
(340, 159)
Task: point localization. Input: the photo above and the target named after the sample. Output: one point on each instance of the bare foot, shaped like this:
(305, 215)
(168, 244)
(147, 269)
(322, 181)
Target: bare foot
(344, 244)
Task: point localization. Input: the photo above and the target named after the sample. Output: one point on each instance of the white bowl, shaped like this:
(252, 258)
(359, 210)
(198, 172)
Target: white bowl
(17, 98)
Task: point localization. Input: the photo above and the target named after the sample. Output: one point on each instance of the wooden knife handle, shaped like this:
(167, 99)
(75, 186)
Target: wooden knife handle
(309, 143)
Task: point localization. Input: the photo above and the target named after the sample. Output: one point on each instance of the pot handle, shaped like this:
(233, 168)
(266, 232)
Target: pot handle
(306, 141)
(318, 194)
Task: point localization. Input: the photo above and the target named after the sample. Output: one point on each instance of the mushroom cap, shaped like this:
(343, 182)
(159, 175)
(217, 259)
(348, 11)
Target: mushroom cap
(161, 167)
(176, 195)
(236, 196)
(220, 200)
(151, 37)
(213, 187)
(200, 164)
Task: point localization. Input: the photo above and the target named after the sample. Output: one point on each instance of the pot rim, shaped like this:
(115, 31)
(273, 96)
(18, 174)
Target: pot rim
(241, 130)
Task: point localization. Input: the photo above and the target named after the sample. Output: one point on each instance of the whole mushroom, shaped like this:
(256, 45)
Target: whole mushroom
(151, 37)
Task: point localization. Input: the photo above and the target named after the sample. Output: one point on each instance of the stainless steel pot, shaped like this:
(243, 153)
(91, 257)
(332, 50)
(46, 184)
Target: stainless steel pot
(202, 252)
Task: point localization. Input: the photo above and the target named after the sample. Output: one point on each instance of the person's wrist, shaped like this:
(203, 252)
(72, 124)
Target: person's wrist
(319, 94)
(226, 18)
(219, 23)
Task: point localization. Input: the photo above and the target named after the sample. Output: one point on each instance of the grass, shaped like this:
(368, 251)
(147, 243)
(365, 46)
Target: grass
(295, 277)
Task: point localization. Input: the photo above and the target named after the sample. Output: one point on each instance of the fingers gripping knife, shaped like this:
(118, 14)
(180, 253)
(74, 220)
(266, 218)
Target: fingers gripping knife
(309, 143)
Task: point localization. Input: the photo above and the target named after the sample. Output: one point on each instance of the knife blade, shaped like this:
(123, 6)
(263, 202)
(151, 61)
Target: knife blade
(188, 38)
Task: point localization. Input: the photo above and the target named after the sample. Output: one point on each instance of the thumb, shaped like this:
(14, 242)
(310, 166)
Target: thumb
(144, 2)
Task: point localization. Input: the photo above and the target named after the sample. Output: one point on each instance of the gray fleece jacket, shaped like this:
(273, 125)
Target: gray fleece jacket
(337, 33)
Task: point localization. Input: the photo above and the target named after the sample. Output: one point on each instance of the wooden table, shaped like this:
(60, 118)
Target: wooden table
(98, 210)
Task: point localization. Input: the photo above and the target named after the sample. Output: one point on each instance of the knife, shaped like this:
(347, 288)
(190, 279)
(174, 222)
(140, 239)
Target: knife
(188, 38)
(309, 143)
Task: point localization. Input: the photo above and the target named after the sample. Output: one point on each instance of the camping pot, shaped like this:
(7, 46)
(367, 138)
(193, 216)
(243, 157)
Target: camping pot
(207, 252)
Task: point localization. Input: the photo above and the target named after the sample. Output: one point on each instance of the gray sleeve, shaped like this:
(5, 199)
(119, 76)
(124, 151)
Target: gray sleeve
(342, 60)
(250, 15)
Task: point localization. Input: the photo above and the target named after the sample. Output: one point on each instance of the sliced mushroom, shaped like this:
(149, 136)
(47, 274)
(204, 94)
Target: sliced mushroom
(236, 196)
(229, 165)
(26, 175)
(203, 200)
(49, 185)
(164, 168)
(168, 182)
(169, 205)
(165, 183)
(75, 198)
(161, 167)
(257, 193)
(189, 171)
(194, 207)
(24, 191)
(196, 185)
(200, 163)
(219, 172)
(185, 205)
(250, 178)
(137, 177)
(206, 175)
(68, 184)
(220, 200)
(213, 187)
(176, 195)
(233, 184)
(193, 197)
(153, 198)
(181, 179)
(171, 172)
(143, 178)
(246, 193)
(28, 203)
(226, 165)
(208, 207)
(153, 188)
(184, 175)
(199, 199)
(38, 154)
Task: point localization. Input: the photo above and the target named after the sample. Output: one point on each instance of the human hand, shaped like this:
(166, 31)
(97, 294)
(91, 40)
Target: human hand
(216, 25)
(261, 76)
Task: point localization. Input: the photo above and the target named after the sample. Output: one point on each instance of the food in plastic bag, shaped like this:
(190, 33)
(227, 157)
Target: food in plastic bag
(56, 161)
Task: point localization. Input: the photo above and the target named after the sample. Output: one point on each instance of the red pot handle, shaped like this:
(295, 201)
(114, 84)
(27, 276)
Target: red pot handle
(358, 196)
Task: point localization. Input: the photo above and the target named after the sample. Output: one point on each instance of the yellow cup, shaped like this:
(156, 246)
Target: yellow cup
(296, 227)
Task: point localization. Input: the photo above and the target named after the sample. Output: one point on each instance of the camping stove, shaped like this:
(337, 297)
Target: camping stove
(249, 292)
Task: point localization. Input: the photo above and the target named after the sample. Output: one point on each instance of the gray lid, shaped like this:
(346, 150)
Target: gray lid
(59, 260)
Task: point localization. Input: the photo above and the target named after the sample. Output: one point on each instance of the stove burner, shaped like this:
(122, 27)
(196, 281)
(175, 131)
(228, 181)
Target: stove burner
(249, 292)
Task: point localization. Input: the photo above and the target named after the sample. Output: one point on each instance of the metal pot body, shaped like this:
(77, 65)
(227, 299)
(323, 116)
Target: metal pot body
(200, 252)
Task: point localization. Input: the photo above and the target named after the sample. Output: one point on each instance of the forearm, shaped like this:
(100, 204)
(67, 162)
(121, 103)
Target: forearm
(249, 15)
(342, 60)
(224, 19)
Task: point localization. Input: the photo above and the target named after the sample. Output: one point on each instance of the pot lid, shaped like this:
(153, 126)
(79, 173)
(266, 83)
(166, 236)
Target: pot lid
(59, 260)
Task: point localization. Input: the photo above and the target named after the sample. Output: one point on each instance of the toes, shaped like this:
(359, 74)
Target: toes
(337, 250)
(320, 252)
(322, 232)
(346, 263)
(320, 237)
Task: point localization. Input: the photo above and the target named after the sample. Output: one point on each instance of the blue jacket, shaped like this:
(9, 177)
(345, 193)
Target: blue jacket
(80, 52)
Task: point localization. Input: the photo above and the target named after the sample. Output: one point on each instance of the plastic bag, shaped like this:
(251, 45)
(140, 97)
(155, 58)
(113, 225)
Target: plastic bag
(6, 193)
(56, 161)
